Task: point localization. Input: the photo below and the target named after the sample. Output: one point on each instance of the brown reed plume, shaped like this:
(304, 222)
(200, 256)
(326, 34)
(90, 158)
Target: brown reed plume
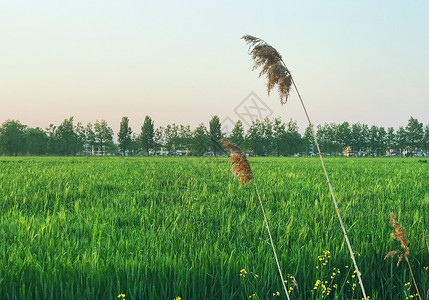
(240, 168)
(271, 63)
(401, 236)
(269, 59)
(239, 163)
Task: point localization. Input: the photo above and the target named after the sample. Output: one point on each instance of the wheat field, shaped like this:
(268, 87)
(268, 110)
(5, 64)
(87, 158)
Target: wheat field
(163, 228)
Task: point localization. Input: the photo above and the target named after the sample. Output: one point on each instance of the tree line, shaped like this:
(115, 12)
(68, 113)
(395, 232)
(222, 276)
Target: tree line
(268, 137)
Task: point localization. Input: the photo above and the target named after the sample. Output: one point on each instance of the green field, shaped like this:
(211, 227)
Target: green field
(159, 228)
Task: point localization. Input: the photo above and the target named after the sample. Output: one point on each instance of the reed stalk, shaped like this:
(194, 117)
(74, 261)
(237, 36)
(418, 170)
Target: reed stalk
(401, 236)
(273, 67)
(241, 169)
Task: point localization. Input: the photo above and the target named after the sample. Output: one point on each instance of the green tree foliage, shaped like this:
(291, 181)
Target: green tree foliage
(426, 140)
(66, 138)
(171, 138)
(215, 135)
(415, 135)
(344, 135)
(124, 136)
(254, 138)
(381, 141)
(377, 141)
(90, 141)
(327, 136)
(201, 141)
(263, 138)
(390, 139)
(293, 142)
(135, 143)
(158, 139)
(103, 137)
(365, 138)
(52, 139)
(184, 138)
(267, 136)
(308, 142)
(272, 137)
(401, 141)
(174, 138)
(237, 134)
(279, 136)
(373, 140)
(37, 141)
(13, 138)
(147, 135)
(80, 131)
(359, 139)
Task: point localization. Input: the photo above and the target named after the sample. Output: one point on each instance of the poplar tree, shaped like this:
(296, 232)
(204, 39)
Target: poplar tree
(147, 135)
(124, 136)
(237, 134)
(215, 135)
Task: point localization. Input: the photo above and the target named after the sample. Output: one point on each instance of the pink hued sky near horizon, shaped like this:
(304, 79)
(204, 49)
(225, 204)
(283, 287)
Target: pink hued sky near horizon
(183, 62)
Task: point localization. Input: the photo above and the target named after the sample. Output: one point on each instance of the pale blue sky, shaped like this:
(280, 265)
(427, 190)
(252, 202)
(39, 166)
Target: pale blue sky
(184, 61)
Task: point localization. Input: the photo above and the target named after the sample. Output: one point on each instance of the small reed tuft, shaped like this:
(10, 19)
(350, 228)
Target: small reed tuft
(401, 236)
(239, 163)
(273, 67)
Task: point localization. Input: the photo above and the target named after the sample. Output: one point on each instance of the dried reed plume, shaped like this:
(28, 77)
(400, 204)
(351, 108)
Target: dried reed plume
(277, 73)
(239, 163)
(241, 169)
(273, 67)
(401, 236)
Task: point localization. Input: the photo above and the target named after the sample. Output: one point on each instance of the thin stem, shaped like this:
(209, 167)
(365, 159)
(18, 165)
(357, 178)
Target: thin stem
(332, 192)
(271, 240)
(412, 276)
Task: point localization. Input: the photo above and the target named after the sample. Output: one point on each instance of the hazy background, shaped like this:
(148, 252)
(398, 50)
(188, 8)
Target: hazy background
(184, 61)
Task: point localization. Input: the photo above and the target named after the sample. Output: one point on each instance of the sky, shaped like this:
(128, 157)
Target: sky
(184, 61)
